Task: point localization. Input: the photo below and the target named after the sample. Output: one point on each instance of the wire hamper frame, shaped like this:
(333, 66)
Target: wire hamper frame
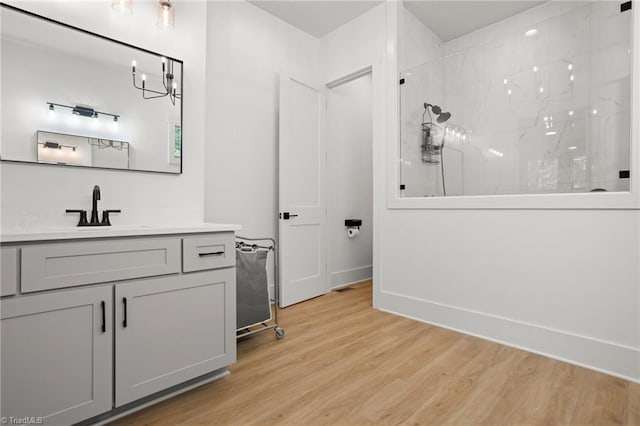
(241, 242)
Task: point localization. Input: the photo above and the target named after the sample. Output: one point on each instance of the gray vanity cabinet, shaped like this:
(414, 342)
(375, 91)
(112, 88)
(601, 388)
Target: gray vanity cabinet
(172, 329)
(57, 357)
(91, 327)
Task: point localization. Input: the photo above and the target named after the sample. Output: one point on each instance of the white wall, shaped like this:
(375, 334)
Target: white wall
(349, 180)
(564, 283)
(356, 45)
(37, 195)
(246, 50)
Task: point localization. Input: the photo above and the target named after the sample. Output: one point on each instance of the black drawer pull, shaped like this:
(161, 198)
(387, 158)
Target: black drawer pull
(124, 319)
(104, 317)
(213, 253)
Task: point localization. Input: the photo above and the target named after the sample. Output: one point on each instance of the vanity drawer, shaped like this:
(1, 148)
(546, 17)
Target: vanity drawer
(210, 252)
(10, 257)
(59, 265)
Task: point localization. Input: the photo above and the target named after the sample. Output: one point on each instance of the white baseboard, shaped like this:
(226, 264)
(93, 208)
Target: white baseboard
(595, 354)
(350, 276)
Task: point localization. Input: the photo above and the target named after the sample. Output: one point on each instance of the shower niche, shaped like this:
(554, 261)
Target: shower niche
(538, 102)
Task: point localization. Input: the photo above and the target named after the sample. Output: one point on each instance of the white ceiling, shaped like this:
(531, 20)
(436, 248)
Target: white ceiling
(316, 17)
(452, 19)
(449, 19)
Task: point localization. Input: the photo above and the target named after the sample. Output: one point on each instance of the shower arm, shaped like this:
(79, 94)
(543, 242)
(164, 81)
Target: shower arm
(427, 111)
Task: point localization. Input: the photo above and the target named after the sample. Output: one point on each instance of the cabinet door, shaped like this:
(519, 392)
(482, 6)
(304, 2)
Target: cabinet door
(172, 329)
(57, 355)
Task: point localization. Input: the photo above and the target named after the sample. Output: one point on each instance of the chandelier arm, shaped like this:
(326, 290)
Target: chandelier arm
(145, 89)
(154, 97)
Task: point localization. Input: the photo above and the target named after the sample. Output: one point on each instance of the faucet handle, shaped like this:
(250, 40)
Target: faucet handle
(105, 216)
(83, 216)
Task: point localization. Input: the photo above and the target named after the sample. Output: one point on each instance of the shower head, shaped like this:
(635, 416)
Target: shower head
(442, 117)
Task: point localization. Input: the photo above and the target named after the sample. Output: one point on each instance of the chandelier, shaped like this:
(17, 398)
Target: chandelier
(170, 86)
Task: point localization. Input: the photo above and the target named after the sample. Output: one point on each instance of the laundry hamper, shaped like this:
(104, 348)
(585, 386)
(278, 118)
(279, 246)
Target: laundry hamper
(253, 304)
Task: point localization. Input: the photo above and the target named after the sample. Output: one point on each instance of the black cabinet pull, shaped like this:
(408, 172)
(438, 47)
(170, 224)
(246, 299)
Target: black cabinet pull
(104, 317)
(124, 320)
(213, 253)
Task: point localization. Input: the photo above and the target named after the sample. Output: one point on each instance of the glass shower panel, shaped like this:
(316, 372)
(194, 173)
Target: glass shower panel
(536, 103)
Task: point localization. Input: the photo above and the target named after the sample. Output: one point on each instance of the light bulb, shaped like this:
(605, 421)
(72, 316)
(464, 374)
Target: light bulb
(166, 14)
(535, 68)
(133, 65)
(124, 7)
(570, 67)
(571, 113)
(506, 81)
(144, 77)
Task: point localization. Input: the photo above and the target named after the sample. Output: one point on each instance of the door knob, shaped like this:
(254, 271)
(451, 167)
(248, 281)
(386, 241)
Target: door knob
(287, 215)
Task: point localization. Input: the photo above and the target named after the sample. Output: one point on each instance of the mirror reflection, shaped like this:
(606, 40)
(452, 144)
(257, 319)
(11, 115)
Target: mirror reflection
(76, 99)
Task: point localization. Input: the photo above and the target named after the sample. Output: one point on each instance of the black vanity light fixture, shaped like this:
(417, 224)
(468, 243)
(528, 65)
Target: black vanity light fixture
(56, 145)
(170, 86)
(82, 111)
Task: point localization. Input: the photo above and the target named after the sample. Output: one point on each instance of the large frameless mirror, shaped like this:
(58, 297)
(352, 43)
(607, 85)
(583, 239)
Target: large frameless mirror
(533, 99)
(74, 98)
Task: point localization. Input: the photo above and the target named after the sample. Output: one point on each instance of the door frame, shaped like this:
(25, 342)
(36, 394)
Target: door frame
(377, 116)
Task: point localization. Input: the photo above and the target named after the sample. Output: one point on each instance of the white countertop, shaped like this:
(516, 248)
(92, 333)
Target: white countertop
(25, 235)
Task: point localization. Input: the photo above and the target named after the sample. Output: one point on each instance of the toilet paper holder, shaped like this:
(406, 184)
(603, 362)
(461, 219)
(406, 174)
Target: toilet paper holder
(353, 223)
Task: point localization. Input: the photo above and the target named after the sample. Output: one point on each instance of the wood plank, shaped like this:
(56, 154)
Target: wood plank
(344, 363)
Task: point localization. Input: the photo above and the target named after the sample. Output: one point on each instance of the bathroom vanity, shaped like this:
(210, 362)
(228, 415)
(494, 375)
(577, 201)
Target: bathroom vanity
(100, 322)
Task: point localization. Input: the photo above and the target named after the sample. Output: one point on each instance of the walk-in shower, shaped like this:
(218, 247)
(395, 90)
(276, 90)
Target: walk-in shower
(537, 102)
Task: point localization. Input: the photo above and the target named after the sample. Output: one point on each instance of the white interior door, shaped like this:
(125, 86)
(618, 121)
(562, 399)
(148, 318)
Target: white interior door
(302, 190)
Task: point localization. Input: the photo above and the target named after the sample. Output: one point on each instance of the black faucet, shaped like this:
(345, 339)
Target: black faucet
(94, 212)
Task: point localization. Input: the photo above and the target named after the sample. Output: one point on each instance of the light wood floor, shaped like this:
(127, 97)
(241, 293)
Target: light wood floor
(344, 363)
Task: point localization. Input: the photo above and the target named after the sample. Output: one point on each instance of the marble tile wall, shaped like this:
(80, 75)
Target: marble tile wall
(540, 103)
